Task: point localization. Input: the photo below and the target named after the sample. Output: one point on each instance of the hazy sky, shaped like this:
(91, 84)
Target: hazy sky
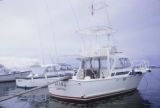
(30, 28)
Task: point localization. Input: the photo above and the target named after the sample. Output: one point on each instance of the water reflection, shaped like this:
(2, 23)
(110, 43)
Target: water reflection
(129, 100)
(35, 99)
(41, 99)
(5, 88)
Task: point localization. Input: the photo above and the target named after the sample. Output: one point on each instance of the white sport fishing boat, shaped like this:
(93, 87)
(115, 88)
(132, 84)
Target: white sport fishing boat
(12, 74)
(50, 73)
(103, 71)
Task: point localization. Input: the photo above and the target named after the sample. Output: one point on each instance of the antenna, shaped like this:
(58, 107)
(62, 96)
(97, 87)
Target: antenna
(98, 6)
(101, 30)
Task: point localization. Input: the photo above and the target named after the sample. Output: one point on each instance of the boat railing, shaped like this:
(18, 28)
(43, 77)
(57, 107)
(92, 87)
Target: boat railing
(140, 66)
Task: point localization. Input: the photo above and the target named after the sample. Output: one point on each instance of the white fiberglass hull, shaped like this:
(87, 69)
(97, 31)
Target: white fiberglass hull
(92, 89)
(30, 83)
(13, 76)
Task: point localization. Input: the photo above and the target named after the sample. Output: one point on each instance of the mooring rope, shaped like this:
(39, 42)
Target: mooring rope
(27, 91)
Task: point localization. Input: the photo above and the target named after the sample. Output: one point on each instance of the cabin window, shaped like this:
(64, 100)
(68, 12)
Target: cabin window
(95, 64)
(112, 74)
(103, 63)
(90, 64)
(125, 62)
(49, 69)
(69, 68)
(87, 64)
(63, 67)
(91, 67)
(122, 63)
(122, 73)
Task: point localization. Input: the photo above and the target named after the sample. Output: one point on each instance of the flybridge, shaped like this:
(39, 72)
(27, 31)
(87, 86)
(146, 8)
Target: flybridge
(101, 51)
(97, 31)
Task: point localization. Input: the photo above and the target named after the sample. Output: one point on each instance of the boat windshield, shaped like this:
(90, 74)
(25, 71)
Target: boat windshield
(100, 67)
(122, 63)
(92, 67)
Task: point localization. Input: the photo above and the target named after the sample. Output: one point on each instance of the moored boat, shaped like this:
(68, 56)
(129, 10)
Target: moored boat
(99, 75)
(50, 73)
(104, 71)
(11, 74)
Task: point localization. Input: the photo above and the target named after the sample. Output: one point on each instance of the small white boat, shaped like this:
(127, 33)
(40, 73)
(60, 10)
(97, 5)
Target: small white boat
(50, 73)
(12, 74)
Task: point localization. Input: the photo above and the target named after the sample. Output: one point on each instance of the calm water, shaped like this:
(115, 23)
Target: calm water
(147, 96)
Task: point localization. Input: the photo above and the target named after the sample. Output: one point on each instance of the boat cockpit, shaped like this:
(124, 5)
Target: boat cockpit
(102, 67)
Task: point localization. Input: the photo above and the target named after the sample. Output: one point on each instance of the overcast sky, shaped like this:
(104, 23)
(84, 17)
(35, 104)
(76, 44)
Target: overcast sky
(33, 28)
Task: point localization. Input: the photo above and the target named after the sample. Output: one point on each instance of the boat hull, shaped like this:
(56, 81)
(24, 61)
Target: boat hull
(12, 77)
(35, 82)
(82, 90)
